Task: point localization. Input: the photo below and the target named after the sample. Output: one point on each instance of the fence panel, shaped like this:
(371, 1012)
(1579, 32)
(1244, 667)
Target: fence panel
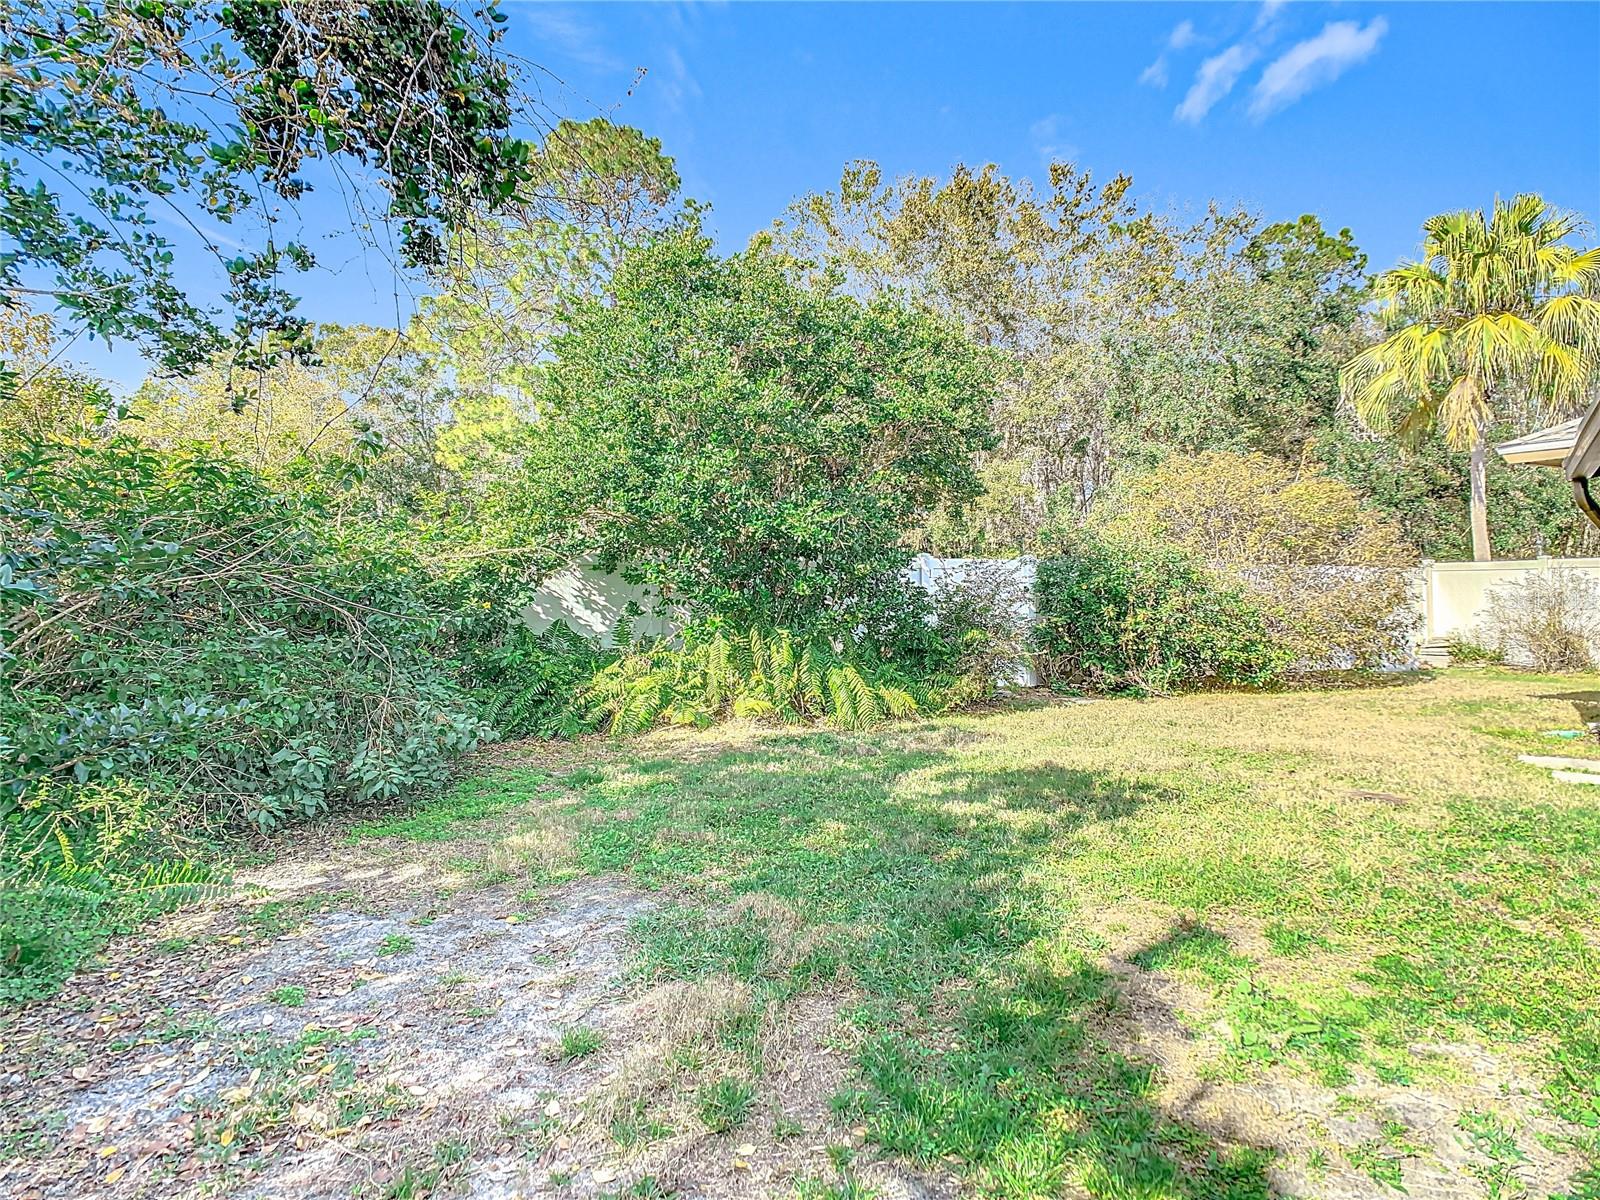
(1457, 594)
(1453, 597)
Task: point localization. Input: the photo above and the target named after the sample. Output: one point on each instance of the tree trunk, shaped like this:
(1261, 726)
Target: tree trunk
(1480, 497)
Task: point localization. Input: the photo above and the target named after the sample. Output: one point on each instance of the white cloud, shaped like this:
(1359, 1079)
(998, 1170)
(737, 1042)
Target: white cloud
(1046, 136)
(1314, 62)
(1268, 10)
(679, 84)
(1181, 37)
(570, 35)
(1214, 80)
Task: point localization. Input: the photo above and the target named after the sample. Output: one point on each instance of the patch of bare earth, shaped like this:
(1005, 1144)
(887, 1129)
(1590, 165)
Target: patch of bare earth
(1334, 1143)
(402, 1039)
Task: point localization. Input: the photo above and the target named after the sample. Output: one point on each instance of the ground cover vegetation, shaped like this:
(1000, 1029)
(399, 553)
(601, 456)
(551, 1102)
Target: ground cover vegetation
(285, 579)
(1228, 944)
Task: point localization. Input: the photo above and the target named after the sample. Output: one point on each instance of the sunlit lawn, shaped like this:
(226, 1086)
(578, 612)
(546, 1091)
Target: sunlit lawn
(1336, 880)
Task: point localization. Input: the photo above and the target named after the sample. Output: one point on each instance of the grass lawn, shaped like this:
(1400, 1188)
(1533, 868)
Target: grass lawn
(1321, 944)
(1362, 890)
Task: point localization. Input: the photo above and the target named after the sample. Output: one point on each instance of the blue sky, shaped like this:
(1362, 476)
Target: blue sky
(1373, 116)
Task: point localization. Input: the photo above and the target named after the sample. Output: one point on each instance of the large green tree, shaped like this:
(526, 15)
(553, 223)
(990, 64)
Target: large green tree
(1122, 335)
(1498, 320)
(754, 448)
(124, 119)
(1010, 264)
(594, 189)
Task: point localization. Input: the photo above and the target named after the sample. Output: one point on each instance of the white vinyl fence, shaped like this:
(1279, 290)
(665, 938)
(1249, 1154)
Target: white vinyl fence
(1452, 598)
(593, 604)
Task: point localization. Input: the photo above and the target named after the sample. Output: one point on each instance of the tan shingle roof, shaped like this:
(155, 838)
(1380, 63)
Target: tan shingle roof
(1543, 446)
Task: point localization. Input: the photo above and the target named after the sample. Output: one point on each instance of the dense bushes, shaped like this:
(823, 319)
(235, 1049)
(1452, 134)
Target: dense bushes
(556, 684)
(1422, 489)
(171, 618)
(1336, 618)
(1251, 510)
(187, 649)
(1328, 574)
(1120, 613)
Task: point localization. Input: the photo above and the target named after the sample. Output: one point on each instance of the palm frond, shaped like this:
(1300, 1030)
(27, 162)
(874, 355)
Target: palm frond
(1501, 307)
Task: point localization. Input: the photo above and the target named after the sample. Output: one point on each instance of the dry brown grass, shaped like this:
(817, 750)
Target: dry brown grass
(672, 1036)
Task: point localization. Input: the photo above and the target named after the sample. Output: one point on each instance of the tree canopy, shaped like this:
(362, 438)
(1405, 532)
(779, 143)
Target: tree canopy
(127, 115)
(596, 189)
(1121, 334)
(754, 448)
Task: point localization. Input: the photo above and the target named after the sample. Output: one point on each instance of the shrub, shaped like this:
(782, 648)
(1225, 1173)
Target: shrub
(1118, 613)
(1336, 618)
(1549, 619)
(756, 450)
(1328, 573)
(170, 620)
(983, 626)
(1251, 510)
(1464, 650)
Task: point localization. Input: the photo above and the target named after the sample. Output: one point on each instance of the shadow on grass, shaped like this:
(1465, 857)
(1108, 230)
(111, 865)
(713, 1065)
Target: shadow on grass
(1338, 681)
(986, 1036)
(1587, 703)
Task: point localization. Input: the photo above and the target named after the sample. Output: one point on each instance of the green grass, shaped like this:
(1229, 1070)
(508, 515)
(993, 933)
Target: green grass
(290, 995)
(416, 1182)
(726, 1103)
(843, 1183)
(396, 943)
(579, 1041)
(1334, 877)
(468, 802)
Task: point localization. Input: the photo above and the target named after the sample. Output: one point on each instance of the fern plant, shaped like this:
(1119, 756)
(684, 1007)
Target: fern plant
(79, 863)
(762, 674)
(525, 682)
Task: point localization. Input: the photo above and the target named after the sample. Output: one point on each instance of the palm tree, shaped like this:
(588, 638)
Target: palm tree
(1500, 318)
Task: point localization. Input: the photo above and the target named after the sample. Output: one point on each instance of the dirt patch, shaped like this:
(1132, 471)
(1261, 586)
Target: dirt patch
(341, 1056)
(403, 1038)
(675, 1046)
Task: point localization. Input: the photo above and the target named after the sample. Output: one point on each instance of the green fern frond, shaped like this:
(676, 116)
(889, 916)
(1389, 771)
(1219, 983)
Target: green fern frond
(855, 704)
(813, 681)
(898, 702)
(753, 708)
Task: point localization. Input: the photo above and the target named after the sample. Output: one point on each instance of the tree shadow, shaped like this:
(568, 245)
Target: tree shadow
(987, 1037)
(1067, 792)
(1586, 702)
(1357, 681)
(1588, 697)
